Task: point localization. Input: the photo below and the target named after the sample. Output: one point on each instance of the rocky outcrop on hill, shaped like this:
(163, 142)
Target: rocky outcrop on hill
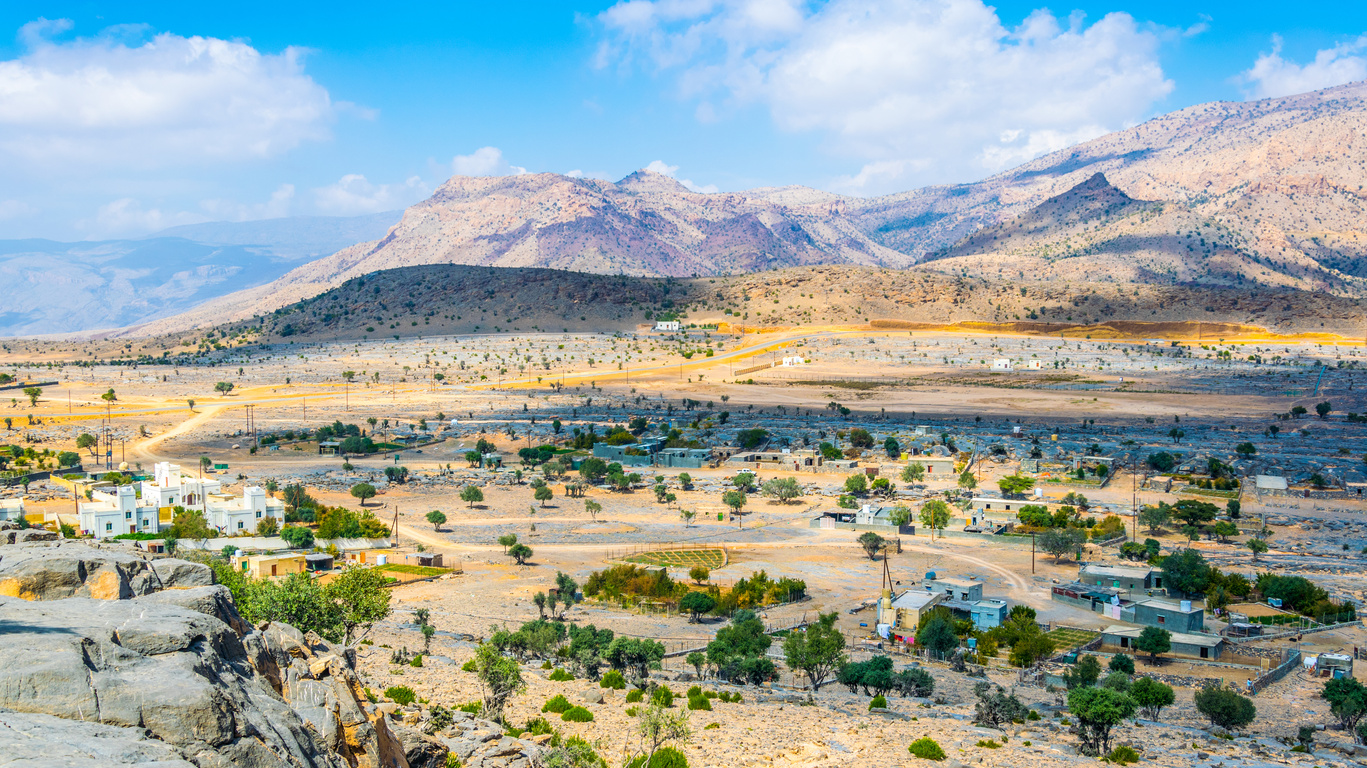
(113, 659)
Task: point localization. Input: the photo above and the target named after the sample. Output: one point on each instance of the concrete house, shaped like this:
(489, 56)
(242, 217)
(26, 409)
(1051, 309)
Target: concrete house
(1166, 614)
(906, 609)
(1127, 577)
(1183, 644)
(667, 326)
(1089, 597)
(11, 509)
(262, 566)
(988, 613)
(150, 507)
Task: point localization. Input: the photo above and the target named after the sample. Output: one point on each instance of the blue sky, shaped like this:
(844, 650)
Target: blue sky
(118, 119)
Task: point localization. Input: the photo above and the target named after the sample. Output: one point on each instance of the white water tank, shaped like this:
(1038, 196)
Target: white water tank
(381, 559)
(1186, 606)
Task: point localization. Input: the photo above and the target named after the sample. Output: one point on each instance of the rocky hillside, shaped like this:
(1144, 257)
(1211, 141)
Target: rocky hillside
(113, 659)
(444, 299)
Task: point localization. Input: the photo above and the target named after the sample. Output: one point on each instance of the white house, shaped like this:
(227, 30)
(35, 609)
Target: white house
(1035, 365)
(1001, 364)
(150, 508)
(791, 362)
(11, 509)
(667, 325)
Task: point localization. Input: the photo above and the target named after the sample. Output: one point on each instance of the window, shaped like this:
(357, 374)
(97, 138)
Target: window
(258, 514)
(1162, 619)
(239, 525)
(1205, 653)
(109, 526)
(127, 515)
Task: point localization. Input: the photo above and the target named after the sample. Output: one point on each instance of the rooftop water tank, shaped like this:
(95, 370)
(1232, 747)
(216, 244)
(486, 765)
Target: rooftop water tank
(930, 575)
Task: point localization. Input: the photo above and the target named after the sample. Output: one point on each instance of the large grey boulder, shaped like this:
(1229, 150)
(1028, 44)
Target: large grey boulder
(181, 674)
(214, 601)
(43, 741)
(62, 569)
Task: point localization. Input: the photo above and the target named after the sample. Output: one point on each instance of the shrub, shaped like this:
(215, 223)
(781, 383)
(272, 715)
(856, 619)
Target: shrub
(416, 661)
(561, 676)
(699, 702)
(1225, 708)
(475, 707)
(1033, 715)
(988, 744)
(633, 711)
(664, 757)
(694, 691)
(468, 666)
(614, 680)
(927, 749)
(557, 704)
(662, 696)
(713, 695)
(1123, 755)
(878, 702)
(577, 715)
(1122, 663)
(438, 719)
(635, 695)
(401, 694)
(711, 726)
(546, 664)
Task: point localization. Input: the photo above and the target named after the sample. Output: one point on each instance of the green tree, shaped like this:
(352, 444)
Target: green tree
(87, 440)
(520, 552)
(507, 540)
(1347, 701)
(359, 597)
(860, 438)
(1257, 547)
(33, 393)
(471, 494)
(696, 604)
(735, 500)
(935, 515)
(223, 387)
(1324, 409)
(784, 489)
(363, 491)
(1151, 696)
(913, 472)
(593, 508)
(1060, 541)
(699, 574)
(967, 481)
(436, 517)
(871, 543)
(892, 447)
(543, 494)
(1176, 435)
(499, 678)
(937, 635)
(1098, 710)
(816, 651)
(267, 526)
(1015, 484)
(1155, 517)
(1245, 449)
(1162, 461)
(857, 484)
(1153, 641)
(1186, 571)
(1224, 529)
(297, 536)
(190, 524)
(1194, 513)
(1225, 708)
(593, 469)
(657, 726)
(1121, 662)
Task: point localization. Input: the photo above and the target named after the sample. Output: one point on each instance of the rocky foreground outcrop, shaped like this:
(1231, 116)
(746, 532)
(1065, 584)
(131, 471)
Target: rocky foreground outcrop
(113, 659)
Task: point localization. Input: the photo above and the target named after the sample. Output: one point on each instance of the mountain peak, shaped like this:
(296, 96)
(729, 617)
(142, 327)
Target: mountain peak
(646, 180)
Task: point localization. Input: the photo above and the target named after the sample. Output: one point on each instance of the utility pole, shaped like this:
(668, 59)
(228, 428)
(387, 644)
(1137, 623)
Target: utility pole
(1032, 552)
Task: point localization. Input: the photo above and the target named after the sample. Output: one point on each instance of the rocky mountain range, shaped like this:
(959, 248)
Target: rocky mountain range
(1234, 194)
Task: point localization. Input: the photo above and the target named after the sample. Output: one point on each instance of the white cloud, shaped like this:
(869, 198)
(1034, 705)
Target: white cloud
(485, 161)
(916, 92)
(353, 194)
(276, 207)
(1271, 75)
(121, 100)
(126, 217)
(660, 167)
(15, 209)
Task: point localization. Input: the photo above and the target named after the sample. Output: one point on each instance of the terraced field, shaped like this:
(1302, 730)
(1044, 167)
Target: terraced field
(682, 558)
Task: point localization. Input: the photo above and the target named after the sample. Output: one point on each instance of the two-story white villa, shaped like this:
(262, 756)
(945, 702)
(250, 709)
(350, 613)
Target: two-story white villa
(151, 507)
